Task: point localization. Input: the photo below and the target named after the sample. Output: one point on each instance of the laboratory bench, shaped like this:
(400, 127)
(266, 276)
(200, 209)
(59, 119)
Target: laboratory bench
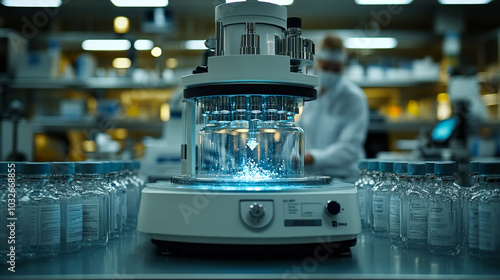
(133, 256)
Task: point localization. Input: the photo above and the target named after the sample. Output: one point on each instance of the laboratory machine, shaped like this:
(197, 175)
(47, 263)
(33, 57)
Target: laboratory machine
(243, 181)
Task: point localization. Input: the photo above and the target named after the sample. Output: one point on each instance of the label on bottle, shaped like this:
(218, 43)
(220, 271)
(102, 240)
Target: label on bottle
(49, 226)
(394, 216)
(442, 226)
(489, 227)
(362, 203)
(417, 219)
(90, 219)
(473, 226)
(379, 208)
(74, 220)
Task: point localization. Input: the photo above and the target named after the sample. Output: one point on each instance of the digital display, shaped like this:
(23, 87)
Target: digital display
(303, 223)
(444, 130)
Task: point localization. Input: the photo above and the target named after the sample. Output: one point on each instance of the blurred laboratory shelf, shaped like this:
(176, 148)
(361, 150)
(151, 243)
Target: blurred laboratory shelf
(401, 126)
(396, 83)
(133, 256)
(91, 83)
(56, 124)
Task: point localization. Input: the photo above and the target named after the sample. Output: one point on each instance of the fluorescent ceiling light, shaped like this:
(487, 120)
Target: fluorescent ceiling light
(140, 3)
(122, 63)
(143, 45)
(383, 2)
(195, 45)
(279, 2)
(32, 3)
(370, 43)
(106, 45)
(464, 2)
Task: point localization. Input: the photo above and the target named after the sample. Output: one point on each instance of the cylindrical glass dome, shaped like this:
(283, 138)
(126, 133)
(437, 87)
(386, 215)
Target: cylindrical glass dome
(256, 141)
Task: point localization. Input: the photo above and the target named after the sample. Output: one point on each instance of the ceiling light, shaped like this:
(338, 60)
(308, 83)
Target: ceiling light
(121, 63)
(143, 45)
(156, 52)
(464, 2)
(32, 3)
(172, 63)
(383, 2)
(370, 43)
(121, 25)
(195, 45)
(279, 2)
(140, 3)
(106, 45)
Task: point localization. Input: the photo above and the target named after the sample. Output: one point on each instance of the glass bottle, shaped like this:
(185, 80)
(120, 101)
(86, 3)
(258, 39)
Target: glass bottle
(133, 189)
(112, 200)
(373, 177)
(445, 212)
(489, 212)
(473, 216)
(399, 187)
(380, 200)
(430, 177)
(362, 186)
(121, 201)
(414, 208)
(63, 186)
(44, 214)
(94, 204)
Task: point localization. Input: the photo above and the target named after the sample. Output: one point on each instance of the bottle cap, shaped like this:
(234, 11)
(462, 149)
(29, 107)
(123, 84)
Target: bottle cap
(106, 166)
(372, 165)
(129, 164)
(416, 168)
(489, 168)
(385, 166)
(294, 22)
(429, 167)
(137, 164)
(445, 168)
(400, 167)
(363, 164)
(474, 167)
(115, 166)
(89, 167)
(62, 168)
(4, 167)
(36, 168)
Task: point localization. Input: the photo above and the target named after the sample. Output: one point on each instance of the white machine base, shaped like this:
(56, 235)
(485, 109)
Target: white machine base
(180, 214)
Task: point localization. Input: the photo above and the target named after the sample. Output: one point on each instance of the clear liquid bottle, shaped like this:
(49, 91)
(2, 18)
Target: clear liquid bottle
(362, 186)
(380, 200)
(136, 177)
(63, 186)
(133, 189)
(121, 202)
(445, 212)
(373, 178)
(399, 187)
(473, 212)
(414, 213)
(489, 212)
(112, 200)
(44, 214)
(94, 204)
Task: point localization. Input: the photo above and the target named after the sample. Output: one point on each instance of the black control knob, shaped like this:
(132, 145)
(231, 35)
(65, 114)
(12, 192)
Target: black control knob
(332, 207)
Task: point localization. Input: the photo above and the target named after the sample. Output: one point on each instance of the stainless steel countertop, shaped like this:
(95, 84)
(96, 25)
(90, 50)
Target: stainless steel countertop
(133, 256)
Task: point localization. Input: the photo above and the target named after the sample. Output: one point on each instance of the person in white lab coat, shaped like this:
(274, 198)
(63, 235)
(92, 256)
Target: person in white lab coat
(335, 125)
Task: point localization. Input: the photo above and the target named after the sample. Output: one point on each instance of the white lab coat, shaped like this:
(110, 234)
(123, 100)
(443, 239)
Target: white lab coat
(335, 127)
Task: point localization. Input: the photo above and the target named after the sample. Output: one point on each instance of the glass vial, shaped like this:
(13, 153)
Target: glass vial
(445, 212)
(380, 200)
(399, 187)
(94, 204)
(489, 212)
(414, 208)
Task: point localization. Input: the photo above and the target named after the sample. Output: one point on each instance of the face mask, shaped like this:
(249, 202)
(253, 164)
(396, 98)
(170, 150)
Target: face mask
(328, 79)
